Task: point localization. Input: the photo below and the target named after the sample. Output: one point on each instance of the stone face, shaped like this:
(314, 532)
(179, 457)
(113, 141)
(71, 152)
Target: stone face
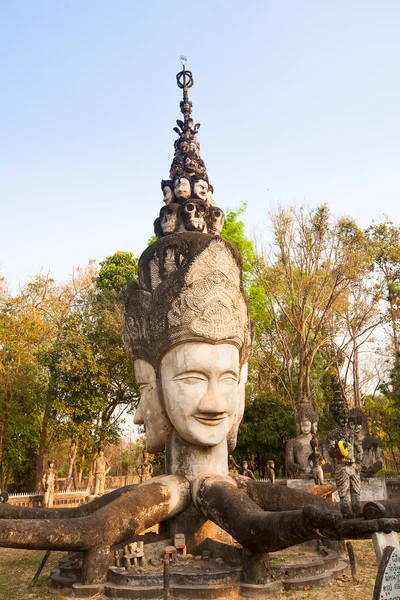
(200, 388)
(150, 411)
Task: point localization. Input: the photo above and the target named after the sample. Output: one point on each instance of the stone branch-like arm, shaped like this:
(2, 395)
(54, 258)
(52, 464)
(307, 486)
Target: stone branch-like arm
(116, 522)
(261, 531)
(276, 498)
(8, 511)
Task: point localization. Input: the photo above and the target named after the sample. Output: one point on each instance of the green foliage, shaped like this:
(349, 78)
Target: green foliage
(383, 414)
(116, 270)
(234, 232)
(267, 423)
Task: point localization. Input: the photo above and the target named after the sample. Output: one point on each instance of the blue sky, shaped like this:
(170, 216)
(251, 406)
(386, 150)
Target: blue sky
(298, 101)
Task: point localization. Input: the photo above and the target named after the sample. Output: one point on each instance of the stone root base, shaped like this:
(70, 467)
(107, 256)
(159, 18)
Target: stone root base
(200, 579)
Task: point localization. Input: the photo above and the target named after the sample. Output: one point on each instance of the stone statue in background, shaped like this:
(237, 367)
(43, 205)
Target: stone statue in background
(49, 483)
(244, 469)
(316, 461)
(298, 449)
(346, 450)
(145, 469)
(271, 471)
(101, 468)
(373, 456)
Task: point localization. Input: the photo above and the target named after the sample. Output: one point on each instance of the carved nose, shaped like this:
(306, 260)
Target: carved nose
(213, 402)
(138, 419)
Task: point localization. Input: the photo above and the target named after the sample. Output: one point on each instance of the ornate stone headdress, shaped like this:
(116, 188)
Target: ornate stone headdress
(306, 412)
(339, 406)
(190, 290)
(190, 281)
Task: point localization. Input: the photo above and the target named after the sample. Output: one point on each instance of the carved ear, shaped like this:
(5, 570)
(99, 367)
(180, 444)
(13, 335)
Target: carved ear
(180, 123)
(177, 131)
(196, 127)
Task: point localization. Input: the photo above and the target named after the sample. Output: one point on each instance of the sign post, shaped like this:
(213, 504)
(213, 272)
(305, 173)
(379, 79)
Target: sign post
(387, 584)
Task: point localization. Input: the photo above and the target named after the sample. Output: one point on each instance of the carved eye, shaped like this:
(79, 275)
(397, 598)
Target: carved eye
(217, 214)
(190, 207)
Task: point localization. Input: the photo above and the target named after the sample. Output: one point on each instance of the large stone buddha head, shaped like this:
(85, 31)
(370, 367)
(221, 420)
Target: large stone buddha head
(188, 334)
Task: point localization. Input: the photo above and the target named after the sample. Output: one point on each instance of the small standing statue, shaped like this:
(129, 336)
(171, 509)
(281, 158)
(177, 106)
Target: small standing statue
(145, 469)
(298, 449)
(49, 483)
(101, 468)
(346, 450)
(271, 471)
(244, 469)
(316, 461)
(373, 455)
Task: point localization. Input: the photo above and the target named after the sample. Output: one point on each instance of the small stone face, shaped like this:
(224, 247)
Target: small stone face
(150, 412)
(193, 216)
(217, 219)
(182, 188)
(200, 189)
(168, 218)
(305, 427)
(200, 387)
(168, 195)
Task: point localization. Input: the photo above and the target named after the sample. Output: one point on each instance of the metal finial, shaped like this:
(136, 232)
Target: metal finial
(183, 60)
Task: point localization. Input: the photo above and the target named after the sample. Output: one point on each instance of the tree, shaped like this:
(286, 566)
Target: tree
(301, 283)
(267, 424)
(384, 239)
(92, 375)
(234, 232)
(116, 270)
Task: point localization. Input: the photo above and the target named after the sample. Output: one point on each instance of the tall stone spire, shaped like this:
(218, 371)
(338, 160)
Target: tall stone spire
(187, 192)
(187, 161)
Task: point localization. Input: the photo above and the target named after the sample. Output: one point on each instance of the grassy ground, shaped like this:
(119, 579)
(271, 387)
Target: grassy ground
(344, 588)
(17, 568)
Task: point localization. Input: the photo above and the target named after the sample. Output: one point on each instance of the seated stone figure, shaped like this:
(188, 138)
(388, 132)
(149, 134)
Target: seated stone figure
(373, 456)
(298, 449)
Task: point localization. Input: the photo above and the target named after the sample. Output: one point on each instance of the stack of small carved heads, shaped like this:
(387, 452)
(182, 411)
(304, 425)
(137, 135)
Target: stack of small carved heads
(188, 207)
(188, 193)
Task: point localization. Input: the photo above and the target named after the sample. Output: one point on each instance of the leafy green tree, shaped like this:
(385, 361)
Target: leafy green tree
(92, 375)
(302, 283)
(234, 232)
(116, 270)
(384, 240)
(267, 423)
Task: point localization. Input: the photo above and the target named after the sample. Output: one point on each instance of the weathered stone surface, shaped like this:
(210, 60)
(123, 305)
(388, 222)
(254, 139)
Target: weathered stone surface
(269, 590)
(128, 515)
(383, 540)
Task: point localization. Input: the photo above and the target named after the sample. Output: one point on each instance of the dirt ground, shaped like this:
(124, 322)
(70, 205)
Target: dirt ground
(17, 568)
